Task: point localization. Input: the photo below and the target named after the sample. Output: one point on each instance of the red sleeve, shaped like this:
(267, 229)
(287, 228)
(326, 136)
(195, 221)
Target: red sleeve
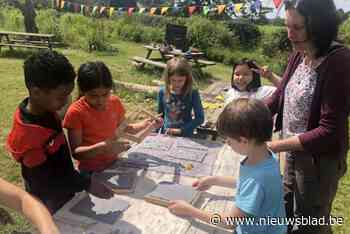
(73, 119)
(33, 158)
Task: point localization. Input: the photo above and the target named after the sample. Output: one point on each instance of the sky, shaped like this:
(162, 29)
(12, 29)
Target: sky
(344, 4)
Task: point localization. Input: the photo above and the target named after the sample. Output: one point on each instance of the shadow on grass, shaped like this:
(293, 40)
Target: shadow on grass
(17, 53)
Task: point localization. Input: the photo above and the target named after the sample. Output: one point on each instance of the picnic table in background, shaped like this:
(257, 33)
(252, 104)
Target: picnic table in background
(196, 58)
(26, 40)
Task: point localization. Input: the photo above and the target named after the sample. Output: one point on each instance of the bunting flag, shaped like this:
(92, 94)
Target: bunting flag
(58, 4)
(191, 10)
(94, 10)
(221, 9)
(130, 10)
(102, 10)
(142, 10)
(82, 8)
(205, 10)
(175, 10)
(230, 8)
(152, 11)
(238, 7)
(111, 11)
(62, 4)
(164, 10)
(277, 3)
(76, 7)
(68, 6)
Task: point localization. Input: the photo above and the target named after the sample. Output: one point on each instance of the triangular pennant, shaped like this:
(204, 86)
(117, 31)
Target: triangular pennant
(76, 7)
(221, 9)
(102, 10)
(238, 7)
(205, 10)
(68, 6)
(191, 10)
(62, 4)
(175, 10)
(152, 10)
(164, 10)
(142, 10)
(58, 4)
(277, 3)
(130, 11)
(111, 11)
(94, 10)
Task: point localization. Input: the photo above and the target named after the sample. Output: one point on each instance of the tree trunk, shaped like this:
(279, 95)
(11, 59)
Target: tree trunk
(29, 17)
(28, 12)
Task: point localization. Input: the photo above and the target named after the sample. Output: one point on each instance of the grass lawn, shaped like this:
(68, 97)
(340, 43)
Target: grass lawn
(13, 91)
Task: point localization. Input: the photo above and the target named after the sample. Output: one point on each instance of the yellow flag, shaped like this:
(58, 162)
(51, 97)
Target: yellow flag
(111, 11)
(238, 7)
(164, 10)
(142, 10)
(62, 4)
(221, 9)
(153, 11)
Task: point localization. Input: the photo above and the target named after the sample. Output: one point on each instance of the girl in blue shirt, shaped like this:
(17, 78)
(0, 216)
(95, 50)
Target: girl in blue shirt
(177, 100)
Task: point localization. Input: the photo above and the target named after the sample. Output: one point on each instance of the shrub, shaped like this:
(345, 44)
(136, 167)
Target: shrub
(11, 19)
(203, 33)
(247, 33)
(276, 41)
(48, 22)
(344, 32)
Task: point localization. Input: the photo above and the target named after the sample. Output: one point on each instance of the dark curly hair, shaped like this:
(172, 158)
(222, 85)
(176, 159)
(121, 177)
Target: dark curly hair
(48, 69)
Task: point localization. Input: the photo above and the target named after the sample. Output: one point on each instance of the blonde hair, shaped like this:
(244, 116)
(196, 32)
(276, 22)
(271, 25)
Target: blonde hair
(178, 66)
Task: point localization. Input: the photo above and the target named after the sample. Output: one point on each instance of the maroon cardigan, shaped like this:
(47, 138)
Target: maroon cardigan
(327, 127)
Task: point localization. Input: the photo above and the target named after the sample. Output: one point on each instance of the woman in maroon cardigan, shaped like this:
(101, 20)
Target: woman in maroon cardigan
(312, 105)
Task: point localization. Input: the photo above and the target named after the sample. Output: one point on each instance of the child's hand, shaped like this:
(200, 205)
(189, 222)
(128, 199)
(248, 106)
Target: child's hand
(118, 147)
(173, 131)
(263, 71)
(203, 183)
(180, 208)
(99, 189)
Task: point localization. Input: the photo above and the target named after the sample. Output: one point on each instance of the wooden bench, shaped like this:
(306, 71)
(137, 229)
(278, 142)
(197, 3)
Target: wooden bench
(142, 61)
(26, 40)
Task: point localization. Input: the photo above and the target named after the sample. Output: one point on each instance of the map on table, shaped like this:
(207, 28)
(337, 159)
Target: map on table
(173, 156)
(101, 210)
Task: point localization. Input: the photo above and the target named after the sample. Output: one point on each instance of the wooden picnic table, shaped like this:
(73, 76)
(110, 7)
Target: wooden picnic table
(26, 40)
(196, 58)
(145, 217)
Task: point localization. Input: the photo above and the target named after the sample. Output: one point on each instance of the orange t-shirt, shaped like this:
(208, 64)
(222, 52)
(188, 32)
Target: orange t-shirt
(96, 126)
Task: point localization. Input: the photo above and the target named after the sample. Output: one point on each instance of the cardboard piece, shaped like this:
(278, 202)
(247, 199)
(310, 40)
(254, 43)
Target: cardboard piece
(101, 210)
(138, 138)
(121, 182)
(168, 191)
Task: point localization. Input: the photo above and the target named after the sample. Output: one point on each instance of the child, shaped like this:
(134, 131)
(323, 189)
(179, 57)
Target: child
(177, 100)
(19, 200)
(36, 139)
(247, 125)
(92, 120)
(245, 82)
